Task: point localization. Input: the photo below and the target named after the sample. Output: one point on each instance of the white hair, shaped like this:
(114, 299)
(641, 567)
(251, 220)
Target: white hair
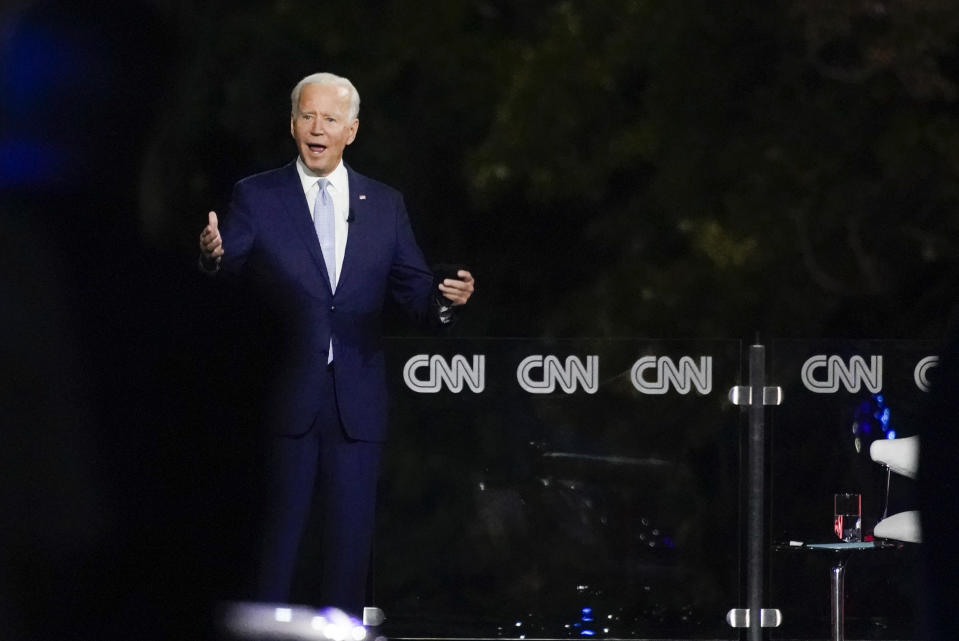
(331, 80)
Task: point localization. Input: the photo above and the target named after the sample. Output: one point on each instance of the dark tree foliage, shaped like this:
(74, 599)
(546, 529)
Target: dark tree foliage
(614, 167)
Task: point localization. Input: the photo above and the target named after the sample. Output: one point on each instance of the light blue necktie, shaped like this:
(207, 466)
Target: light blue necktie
(326, 228)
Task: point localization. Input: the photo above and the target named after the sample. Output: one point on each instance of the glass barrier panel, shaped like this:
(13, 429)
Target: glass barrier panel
(840, 397)
(560, 489)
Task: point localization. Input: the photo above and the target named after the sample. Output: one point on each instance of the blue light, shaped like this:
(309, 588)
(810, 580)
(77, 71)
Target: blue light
(36, 60)
(873, 415)
(587, 633)
(29, 162)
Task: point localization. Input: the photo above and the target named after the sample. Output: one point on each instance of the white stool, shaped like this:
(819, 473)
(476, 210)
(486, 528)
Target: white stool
(902, 457)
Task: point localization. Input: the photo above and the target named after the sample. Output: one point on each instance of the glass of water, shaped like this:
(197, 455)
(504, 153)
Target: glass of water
(847, 517)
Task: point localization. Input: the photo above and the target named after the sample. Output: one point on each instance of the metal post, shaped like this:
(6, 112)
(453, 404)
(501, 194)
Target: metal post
(755, 515)
(837, 597)
(755, 396)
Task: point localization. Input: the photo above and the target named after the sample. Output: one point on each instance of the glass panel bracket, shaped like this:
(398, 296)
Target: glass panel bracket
(742, 395)
(373, 617)
(768, 617)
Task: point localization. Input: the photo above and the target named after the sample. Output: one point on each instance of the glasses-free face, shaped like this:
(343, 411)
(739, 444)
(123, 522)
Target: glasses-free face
(322, 128)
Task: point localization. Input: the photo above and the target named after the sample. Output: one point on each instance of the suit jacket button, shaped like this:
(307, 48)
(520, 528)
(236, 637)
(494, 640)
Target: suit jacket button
(332, 308)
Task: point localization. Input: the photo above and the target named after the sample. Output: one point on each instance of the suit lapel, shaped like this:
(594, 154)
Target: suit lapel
(295, 206)
(361, 226)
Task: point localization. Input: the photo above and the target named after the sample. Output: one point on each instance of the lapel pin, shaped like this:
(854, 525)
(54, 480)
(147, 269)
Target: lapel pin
(362, 196)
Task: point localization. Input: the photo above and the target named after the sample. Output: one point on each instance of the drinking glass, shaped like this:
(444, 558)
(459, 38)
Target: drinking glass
(847, 516)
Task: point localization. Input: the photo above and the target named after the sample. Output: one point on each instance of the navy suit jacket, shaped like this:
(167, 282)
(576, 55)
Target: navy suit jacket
(268, 237)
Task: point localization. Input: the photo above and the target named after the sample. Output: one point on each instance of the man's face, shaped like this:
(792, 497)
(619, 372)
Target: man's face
(321, 126)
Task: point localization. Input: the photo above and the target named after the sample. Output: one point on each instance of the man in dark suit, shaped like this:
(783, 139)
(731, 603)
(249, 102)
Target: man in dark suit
(325, 246)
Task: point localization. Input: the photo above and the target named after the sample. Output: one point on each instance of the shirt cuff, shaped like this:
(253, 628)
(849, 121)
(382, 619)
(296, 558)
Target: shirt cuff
(445, 313)
(208, 267)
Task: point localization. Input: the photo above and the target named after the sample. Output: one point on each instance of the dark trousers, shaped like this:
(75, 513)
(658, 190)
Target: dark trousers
(319, 516)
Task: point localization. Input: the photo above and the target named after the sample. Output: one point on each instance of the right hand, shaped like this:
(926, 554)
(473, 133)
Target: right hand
(211, 244)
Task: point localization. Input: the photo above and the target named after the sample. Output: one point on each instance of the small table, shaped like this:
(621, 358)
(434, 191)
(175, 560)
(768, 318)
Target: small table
(837, 579)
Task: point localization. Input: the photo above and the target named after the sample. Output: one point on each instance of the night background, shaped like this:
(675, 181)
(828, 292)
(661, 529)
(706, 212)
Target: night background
(607, 169)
